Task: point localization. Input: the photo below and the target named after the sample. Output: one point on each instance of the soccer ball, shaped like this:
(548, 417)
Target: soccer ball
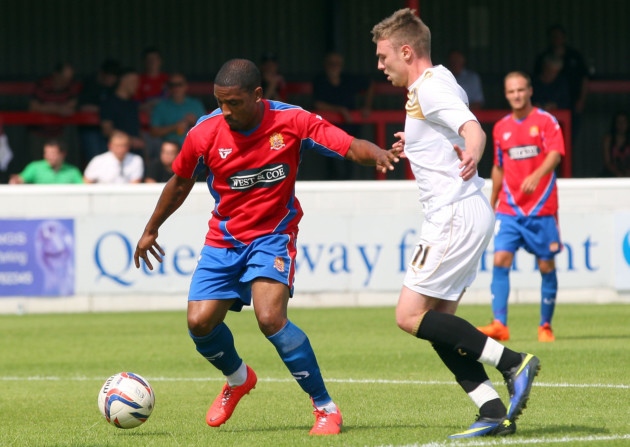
(126, 400)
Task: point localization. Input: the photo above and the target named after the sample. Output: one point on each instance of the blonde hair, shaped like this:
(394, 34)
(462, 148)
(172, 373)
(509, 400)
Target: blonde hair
(518, 74)
(404, 27)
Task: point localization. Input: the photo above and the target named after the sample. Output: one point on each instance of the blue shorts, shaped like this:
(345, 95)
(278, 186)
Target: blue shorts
(539, 235)
(227, 273)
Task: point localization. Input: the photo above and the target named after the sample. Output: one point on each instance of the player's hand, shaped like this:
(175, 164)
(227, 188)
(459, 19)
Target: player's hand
(468, 164)
(385, 160)
(399, 146)
(529, 184)
(147, 244)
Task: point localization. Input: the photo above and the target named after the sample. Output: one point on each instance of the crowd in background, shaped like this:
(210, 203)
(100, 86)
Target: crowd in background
(144, 115)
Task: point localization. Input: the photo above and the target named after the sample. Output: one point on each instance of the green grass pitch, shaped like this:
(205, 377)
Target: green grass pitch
(391, 388)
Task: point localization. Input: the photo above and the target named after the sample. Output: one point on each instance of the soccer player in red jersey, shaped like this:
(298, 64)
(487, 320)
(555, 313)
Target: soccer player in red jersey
(528, 146)
(251, 149)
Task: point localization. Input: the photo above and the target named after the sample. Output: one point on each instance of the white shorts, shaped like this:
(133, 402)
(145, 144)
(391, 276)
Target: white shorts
(452, 240)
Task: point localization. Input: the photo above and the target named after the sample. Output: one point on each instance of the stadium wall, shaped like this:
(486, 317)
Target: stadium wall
(69, 248)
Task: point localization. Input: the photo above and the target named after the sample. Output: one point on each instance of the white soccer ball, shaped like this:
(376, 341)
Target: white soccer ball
(126, 400)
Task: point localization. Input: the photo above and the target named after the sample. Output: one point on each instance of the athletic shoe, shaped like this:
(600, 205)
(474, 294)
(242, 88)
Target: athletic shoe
(487, 427)
(225, 403)
(545, 334)
(327, 423)
(496, 330)
(519, 382)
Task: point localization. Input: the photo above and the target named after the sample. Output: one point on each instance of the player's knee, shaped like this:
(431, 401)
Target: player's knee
(270, 323)
(503, 259)
(199, 326)
(405, 322)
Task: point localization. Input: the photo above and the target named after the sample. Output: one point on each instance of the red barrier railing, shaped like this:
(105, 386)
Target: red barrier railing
(26, 88)
(379, 119)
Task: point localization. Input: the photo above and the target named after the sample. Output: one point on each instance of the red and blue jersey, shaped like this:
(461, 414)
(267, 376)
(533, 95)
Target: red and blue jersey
(252, 175)
(520, 147)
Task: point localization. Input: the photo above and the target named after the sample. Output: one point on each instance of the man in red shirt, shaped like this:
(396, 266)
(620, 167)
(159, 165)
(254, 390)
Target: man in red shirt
(528, 147)
(152, 85)
(56, 94)
(251, 149)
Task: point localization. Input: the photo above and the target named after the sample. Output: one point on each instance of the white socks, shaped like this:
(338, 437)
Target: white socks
(239, 376)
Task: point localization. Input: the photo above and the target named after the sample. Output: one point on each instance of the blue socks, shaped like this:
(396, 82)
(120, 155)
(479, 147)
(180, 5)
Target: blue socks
(548, 291)
(218, 348)
(291, 343)
(297, 354)
(500, 290)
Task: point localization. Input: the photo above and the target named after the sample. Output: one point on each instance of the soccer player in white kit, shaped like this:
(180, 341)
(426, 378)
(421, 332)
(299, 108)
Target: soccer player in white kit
(444, 142)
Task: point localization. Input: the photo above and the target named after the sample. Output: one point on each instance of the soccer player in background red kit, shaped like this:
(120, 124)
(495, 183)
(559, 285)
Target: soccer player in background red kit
(251, 149)
(528, 146)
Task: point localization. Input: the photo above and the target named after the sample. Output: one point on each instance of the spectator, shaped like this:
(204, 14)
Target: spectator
(336, 91)
(56, 95)
(153, 81)
(117, 165)
(160, 170)
(120, 111)
(273, 83)
(172, 117)
(551, 89)
(6, 154)
(96, 89)
(468, 79)
(616, 147)
(51, 170)
(574, 69)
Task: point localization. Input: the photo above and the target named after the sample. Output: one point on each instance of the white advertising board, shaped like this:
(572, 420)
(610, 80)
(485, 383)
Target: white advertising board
(354, 243)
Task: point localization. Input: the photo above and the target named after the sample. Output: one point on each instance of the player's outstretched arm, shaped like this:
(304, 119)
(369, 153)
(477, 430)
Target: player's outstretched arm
(369, 154)
(173, 195)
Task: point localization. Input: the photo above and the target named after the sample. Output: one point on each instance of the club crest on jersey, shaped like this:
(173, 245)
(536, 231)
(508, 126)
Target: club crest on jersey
(276, 141)
(506, 135)
(224, 152)
(533, 131)
(278, 264)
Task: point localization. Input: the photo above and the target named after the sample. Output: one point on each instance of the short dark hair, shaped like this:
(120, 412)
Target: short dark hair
(150, 49)
(241, 73)
(56, 142)
(556, 27)
(110, 66)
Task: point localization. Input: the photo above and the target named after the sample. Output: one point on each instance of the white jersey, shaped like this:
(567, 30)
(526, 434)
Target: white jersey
(436, 109)
(106, 168)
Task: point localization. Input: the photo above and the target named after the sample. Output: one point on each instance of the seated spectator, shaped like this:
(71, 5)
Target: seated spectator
(96, 89)
(120, 111)
(160, 170)
(337, 91)
(117, 165)
(51, 170)
(6, 154)
(152, 85)
(468, 79)
(551, 88)
(273, 83)
(172, 117)
(616, 147)
(56, 94)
